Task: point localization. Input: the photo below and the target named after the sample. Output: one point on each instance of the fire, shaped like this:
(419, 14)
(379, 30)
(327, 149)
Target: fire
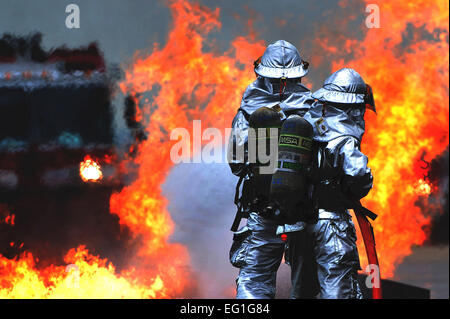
(6, 216)
(411, 92)
(86, 276)
(423, 188)
(10, 219)
(192, 85)
(90, 170)
(159, 269)
(412, 121)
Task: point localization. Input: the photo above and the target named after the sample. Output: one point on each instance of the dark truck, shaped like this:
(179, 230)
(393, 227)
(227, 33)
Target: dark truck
(54, 111)
(56, 125)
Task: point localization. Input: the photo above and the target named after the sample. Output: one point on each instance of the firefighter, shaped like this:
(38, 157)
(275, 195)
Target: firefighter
(342, 179)
(256, 250)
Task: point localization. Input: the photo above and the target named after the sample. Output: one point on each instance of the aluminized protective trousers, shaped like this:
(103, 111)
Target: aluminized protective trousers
(258, 252)
(324, 258)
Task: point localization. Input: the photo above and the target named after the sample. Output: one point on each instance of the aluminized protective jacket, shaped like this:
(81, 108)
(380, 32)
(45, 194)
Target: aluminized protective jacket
(262, 92)
(256, 249)
(337, 121)
(329, 245)
(327, 249)
(282, 60)
(341, 106)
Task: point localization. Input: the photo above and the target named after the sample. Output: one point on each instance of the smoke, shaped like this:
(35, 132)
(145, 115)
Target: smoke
(201, 205)
(437, 203)
(323, 33)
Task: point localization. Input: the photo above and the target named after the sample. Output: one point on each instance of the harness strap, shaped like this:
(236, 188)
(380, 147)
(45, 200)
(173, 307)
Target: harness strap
(282, 88)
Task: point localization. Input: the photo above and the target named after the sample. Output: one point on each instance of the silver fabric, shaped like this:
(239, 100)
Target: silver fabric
(336, 256)
(338, 121)
(256, 249)
(324, 259)
(289, 228)
(343, 86)
(281, 59)
(328, 247)
(258, 254)
(324, 214)
(334, 247)
(297, 99)
(354, 162)
(263, 92)
(238, 139)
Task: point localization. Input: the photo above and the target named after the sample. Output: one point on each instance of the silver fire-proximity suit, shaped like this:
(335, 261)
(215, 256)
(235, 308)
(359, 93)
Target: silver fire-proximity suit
(338, 121)
(256, 249)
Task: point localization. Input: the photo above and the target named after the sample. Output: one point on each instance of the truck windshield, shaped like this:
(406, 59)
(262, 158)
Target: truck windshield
(60, 116)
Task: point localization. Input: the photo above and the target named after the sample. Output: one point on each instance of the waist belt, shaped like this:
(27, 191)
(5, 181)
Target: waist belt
(337, 214)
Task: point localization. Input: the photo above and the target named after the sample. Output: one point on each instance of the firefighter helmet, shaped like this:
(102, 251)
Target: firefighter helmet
(281, 59)
(346, 86)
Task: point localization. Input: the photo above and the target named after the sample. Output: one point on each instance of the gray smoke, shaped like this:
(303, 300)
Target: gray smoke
(201, 205)
(436, 205)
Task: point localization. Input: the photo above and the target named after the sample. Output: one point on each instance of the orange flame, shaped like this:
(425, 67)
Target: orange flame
(422, 187)
(86, 276)
(193, 85)
(90, 170)
(412, 121)
(160, 269)
(411, 92)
